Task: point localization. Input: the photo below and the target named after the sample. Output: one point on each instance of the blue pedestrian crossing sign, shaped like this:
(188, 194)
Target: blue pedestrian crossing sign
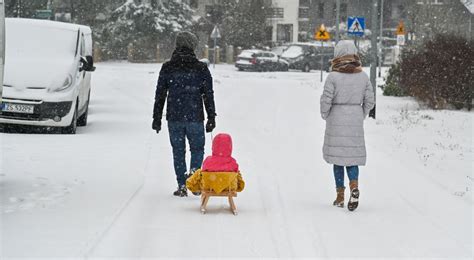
(356, 26)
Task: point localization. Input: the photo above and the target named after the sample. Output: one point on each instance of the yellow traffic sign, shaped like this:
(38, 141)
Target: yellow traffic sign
(401, 28)
(322, 34)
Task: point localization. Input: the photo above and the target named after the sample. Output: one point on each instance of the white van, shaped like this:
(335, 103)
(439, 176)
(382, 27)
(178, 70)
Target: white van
(2, 47)
(48, 69)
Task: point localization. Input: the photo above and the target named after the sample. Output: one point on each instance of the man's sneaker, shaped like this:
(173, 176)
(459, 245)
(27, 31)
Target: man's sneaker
(181, 191)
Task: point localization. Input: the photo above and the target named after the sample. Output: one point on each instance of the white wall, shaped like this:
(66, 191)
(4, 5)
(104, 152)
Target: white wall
(291, 8)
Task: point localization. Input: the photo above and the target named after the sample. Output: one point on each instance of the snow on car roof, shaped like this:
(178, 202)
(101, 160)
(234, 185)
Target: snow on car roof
(252, 50)
(49, 24)
(249, 53)
(293, 51)
(315, 44)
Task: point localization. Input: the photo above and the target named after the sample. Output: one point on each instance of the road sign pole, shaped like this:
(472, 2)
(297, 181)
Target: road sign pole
(215, 51)
(322, 35)
(373, 66)
(380, 39)
(214, 35)
(322, 60)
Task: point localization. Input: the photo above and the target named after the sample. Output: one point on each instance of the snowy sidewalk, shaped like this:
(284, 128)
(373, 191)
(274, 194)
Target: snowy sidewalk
(58, 193)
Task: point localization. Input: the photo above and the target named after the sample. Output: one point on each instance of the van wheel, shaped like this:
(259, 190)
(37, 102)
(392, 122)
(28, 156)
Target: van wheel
(306, 68)
(82, 121)
(71, 129)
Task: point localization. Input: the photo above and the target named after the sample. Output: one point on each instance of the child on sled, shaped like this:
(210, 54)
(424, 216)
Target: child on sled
(222, 165)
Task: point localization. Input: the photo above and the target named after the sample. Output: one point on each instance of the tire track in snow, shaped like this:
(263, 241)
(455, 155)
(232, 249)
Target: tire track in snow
(94, 241)
(278, 219)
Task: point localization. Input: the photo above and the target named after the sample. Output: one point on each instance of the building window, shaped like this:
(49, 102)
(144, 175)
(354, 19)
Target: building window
(268, 33)
(285, 32)
(401, 11)
(305, 3)
(303, 12)
(321, 10)
(194, 4)
(304, 26)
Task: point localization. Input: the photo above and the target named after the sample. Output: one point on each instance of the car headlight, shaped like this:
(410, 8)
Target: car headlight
(67, 84)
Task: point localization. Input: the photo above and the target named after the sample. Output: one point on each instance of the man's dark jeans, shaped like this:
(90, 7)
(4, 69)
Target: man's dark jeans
(179, 132)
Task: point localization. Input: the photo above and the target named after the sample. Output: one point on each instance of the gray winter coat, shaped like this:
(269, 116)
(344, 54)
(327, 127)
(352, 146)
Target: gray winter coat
(345, 103)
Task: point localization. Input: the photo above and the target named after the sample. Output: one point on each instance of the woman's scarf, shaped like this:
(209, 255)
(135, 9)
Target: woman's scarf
(347, 64)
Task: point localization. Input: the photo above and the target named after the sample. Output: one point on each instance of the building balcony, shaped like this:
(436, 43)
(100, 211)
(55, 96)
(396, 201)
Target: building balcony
(275, 13)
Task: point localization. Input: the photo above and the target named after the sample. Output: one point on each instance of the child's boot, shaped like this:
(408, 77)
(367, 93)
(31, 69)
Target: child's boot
(339, 202)
(354, 199)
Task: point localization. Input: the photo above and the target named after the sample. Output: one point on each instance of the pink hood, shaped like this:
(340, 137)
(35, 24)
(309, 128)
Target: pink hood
(221, 159)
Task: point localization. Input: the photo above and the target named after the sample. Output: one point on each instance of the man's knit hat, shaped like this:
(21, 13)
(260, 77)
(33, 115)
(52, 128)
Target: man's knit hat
(186, 40)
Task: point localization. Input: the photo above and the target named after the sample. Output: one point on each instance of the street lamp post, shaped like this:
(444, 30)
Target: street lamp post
(18, 8)
(2, 49)
(373, 66)
(380, 39)
(338, 18)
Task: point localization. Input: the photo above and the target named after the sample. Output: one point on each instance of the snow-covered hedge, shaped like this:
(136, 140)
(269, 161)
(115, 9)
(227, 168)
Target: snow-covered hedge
(439, 72)
(392, 83)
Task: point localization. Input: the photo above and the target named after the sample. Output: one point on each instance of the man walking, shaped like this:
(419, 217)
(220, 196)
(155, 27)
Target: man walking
(186, 84)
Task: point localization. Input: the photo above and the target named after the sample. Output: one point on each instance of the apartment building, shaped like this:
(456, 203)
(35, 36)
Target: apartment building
(281, 17)
(282, 21)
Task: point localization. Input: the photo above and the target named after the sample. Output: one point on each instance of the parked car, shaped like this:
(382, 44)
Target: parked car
(48, 69)
(307, 56)
(279, 49)
(258, 60)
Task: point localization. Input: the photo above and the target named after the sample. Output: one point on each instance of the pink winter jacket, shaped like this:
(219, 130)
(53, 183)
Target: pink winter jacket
(221, 159)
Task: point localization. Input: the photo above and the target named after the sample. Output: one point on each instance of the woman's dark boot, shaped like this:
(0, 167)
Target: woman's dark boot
(354, 199)
(339, 202)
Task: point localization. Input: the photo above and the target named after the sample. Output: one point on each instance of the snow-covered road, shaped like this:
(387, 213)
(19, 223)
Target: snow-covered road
(416, 192)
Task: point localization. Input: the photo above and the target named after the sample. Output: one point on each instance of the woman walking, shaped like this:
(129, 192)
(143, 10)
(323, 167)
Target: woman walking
(345, 103)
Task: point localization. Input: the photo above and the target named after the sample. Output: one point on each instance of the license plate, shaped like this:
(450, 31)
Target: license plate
(18, 108)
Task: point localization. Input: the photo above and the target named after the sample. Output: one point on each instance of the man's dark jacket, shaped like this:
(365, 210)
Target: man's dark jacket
(187, 83)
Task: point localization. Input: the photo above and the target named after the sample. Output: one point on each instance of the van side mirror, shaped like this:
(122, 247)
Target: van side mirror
(87, 64)
(206, 61)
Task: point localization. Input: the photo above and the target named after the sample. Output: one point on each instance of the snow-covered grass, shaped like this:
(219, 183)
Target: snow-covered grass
(60, 194)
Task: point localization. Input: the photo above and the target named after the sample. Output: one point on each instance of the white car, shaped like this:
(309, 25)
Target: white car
(258, 60)
(48, 69)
